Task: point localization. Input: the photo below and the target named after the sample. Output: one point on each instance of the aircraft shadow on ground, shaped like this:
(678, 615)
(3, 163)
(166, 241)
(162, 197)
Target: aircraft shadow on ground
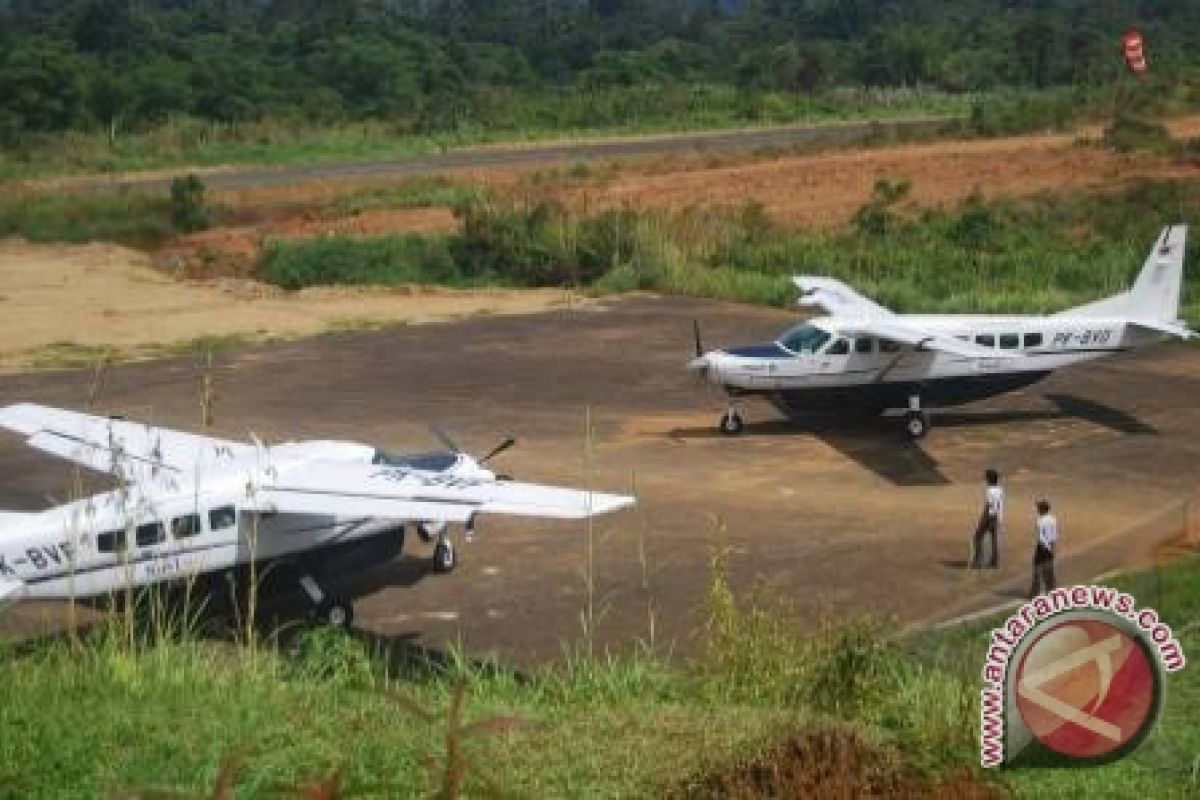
(873, 442)
(1100, 414)
(877, 444)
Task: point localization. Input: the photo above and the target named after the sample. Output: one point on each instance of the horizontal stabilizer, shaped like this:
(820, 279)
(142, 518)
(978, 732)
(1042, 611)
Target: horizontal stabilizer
(1168, 328)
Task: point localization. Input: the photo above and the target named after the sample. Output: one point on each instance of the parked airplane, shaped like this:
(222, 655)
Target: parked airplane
(862, 356)
(189, 505)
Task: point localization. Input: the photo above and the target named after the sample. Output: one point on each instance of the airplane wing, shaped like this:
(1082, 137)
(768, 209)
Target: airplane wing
(857, 315)
(10, 589)
(893, 328)
(111, 445)
(838, 299)
(336, 487)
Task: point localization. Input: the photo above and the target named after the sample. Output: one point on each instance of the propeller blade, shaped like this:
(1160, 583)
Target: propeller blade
(696, 331)
(445, 438)
(498, 449)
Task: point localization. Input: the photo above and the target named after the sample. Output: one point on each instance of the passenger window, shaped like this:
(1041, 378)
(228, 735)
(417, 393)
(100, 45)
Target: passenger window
(985, 340)
(150, 533)
(110, 541)
(183, 527)
(964, 337)
(840, 347)
(864, 345)
(221, 518)
(888, 346)
(1033, 340)
(1010, 341)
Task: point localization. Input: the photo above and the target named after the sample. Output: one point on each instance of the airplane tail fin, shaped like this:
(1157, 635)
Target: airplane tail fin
(1154, 296)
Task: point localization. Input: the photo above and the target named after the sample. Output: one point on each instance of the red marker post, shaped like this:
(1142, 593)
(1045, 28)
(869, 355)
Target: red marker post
(1135, 56)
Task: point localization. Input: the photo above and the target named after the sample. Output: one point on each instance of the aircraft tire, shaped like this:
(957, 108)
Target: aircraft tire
(731, 423)
(335, 612)
(916, 423)
(444, 558)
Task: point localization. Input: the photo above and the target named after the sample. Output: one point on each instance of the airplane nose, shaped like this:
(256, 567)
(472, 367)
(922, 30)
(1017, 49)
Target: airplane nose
(706, 367)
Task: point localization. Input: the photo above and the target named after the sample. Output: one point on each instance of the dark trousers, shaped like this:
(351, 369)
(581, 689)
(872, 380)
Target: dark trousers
(1043, 571)
(987, 527)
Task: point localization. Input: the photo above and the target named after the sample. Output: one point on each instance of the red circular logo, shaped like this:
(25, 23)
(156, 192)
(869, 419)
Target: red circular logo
(1087, 689)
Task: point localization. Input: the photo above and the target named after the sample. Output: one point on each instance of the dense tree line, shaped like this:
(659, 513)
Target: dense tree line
(438, 64)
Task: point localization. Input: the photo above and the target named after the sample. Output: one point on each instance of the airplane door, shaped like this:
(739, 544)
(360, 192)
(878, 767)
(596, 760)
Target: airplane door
(831, 361)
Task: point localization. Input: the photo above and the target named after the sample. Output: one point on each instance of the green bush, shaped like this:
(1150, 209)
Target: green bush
(187, 204)
(332, 260)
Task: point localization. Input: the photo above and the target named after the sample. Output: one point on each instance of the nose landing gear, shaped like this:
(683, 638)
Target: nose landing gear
(731, 422)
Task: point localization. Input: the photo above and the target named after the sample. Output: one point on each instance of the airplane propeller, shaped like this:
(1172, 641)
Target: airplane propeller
(446, 439)
(498, 449)
(698, 364)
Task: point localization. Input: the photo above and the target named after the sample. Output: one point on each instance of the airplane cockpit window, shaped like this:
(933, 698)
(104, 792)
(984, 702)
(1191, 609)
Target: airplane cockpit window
(110, 541)
(425, 462)
(840, 347)
(804, 338)
(185, 526)
(222, 518)
(149, 533)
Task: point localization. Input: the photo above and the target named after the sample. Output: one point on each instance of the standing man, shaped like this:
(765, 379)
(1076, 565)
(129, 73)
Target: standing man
(1046, 546)
(989, 522)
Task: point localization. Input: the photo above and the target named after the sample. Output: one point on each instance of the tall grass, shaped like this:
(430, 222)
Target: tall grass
(134, 218)
(168, 708)
(1021, 256)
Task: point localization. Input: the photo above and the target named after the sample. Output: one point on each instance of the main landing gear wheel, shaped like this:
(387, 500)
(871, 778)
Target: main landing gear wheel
(917, 424)
(444, 557)
(335, 612)
(731, 423)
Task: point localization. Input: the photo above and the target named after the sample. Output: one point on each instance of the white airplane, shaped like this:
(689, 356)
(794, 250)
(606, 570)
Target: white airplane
(192, 506)
(863, 356)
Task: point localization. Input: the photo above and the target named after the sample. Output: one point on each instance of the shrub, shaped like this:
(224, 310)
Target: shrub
(332, 260)
(1129, 133)
(187, 204)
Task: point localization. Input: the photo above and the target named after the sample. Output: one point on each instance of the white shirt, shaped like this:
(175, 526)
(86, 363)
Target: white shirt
(994, 498)
(1047, 531)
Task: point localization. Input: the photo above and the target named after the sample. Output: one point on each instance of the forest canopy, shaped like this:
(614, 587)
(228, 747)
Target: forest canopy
(435, 65)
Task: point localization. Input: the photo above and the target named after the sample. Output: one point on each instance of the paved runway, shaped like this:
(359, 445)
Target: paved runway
(838, 518)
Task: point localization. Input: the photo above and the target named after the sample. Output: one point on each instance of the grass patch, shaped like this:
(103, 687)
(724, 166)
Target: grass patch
(70, 355)
(422, 192)
(511, 117)
(133, 218)
(764, 705)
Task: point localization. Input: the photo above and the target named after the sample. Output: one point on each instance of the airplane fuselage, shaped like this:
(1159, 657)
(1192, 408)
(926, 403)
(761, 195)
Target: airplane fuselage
(174, 527)
(871, 372)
